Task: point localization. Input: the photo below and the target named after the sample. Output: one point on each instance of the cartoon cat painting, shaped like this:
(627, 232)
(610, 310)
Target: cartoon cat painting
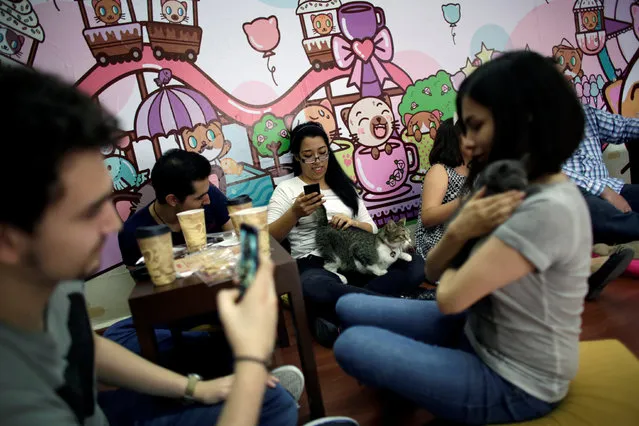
(423, 123)
(569, 58)
(174, 11)
(590, 19)
(206, 137)
(108, 12)
(322, 24)
(322, 114)
(371, 123)
(10, 42)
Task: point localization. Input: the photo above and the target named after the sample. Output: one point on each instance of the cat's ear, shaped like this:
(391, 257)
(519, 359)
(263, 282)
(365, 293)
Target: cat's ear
(555, 49)
(326, 104)
(344, 114)
(402, 221)
(185, 5)
(217, 124)
(313, 17)
(407, 117)
(21, 38)
(437, 113)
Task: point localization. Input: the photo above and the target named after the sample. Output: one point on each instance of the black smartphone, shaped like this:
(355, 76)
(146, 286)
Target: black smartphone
(312, 188)
(249, 256)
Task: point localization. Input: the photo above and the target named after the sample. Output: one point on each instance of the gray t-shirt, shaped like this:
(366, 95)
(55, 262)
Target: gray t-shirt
(528, 331)
(48, 378)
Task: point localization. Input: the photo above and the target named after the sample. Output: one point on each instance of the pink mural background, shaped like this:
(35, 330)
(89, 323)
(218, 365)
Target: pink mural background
(230, 82)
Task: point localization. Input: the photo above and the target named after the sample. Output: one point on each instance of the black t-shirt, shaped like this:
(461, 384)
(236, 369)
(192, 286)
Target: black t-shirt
(215, 215)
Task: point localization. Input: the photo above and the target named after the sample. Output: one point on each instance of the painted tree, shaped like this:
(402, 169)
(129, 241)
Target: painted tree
(433, 93)
(271, 139)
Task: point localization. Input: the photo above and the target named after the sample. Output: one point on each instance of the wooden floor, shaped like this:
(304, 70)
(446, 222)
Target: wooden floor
(615, 315)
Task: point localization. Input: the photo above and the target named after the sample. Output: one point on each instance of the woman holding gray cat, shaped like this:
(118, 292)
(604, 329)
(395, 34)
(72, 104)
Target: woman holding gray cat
(294, 216)
(502, 343)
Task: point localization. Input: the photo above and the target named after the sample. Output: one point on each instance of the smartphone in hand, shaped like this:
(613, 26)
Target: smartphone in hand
(248, 264)
(312, 188)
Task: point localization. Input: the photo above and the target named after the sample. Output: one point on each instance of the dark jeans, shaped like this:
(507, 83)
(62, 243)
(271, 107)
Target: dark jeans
(207, 354)
(610, 225)
(127, 408)
(322, 288)
(411, 349)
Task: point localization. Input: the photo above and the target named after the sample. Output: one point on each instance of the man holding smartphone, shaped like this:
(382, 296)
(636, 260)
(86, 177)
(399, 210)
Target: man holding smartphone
(50, 240)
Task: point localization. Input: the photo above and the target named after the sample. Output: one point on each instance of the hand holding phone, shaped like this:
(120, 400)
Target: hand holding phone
(249, 257)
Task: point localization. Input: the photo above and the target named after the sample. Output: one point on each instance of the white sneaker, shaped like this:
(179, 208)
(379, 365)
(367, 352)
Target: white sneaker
(333, 421)
(291, 379)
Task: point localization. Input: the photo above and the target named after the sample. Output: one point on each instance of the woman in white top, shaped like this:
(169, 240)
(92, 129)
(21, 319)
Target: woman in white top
(290, 216)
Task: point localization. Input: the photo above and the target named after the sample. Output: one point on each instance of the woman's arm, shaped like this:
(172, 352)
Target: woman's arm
(364, 220)
(478, 217)
(492, 267)
(282, 226)
(435, 185)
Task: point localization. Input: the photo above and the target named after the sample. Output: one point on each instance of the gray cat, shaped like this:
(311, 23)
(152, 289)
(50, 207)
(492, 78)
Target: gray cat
(498, 177)
(355, 250)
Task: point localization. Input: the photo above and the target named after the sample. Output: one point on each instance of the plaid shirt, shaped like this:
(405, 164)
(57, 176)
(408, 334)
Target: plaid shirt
(586, 166)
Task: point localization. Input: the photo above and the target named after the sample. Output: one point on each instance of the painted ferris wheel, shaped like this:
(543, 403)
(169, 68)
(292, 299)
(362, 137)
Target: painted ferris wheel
(609, 30)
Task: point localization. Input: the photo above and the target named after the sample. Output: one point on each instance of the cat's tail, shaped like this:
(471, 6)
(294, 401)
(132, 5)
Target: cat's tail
(322, 218)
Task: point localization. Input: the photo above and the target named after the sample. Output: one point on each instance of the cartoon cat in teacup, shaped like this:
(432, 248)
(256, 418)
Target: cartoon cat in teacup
(371, 123)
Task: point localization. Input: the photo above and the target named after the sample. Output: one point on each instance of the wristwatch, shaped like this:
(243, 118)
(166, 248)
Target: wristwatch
(190, 387)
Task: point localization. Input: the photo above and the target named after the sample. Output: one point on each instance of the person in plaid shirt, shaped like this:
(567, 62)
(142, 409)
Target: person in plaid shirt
(614, 205)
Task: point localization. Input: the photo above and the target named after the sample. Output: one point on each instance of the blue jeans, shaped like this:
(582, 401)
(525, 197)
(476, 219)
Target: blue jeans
(411, 349)
(322, 289)
(200, 352)
(610, 225)
(124, 408)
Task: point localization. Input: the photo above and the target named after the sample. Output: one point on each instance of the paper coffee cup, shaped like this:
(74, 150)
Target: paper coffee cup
(236, 204)
(157, 248)
(257, 217)
(193, 228)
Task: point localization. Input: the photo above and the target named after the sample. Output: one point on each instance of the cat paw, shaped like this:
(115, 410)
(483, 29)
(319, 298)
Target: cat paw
(405, 256)
(379, 272)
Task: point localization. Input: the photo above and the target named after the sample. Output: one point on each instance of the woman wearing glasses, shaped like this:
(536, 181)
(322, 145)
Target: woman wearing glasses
(290, 216)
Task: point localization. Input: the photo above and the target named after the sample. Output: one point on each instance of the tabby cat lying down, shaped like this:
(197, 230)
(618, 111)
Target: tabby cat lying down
(355, 250)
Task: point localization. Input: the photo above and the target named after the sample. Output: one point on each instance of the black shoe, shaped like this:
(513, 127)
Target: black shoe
(325, 332)
(609, 271)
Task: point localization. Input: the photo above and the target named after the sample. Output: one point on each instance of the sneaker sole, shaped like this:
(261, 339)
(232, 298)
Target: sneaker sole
(626, 256)
(291, 379)
(333, 421)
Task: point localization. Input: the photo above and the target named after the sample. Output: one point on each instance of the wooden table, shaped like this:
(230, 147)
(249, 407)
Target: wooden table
(151, 305)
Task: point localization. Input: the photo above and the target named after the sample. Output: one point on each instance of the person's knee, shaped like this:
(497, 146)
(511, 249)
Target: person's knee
(345, 307)
(279, 408)
(348, 347)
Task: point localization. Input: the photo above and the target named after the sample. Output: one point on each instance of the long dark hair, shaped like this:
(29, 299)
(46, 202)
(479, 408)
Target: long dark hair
(335, 177)
(536, 113)
(446, 146)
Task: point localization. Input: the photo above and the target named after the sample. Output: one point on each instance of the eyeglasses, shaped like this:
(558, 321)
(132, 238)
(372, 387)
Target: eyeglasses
(312, 160)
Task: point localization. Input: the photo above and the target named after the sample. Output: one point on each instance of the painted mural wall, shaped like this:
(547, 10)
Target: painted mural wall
(230, 79)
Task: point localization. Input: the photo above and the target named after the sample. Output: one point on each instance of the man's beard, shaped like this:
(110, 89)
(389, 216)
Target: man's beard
(89, 267)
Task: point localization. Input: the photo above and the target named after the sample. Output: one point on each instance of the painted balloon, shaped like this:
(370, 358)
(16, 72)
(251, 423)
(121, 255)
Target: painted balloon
(263, 34)
(452, 14)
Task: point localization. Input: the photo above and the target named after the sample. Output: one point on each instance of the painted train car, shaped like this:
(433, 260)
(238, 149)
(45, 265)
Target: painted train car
(118, 37)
